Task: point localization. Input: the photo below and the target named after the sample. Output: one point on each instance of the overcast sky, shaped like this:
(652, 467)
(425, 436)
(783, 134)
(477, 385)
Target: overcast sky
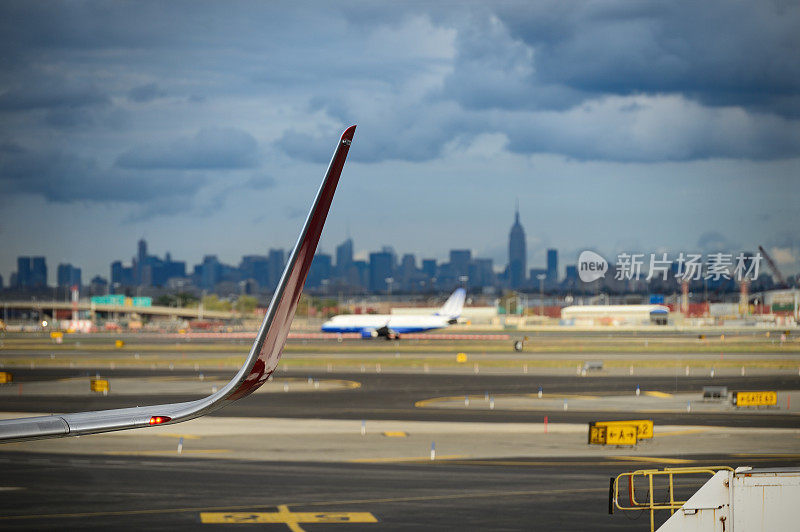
(206, 127)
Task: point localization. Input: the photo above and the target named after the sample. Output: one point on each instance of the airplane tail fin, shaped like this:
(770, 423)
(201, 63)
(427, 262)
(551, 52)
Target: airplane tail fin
(453, 306)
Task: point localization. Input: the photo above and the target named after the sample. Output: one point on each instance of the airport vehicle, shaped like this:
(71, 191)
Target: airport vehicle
(391, 326)
(258, 366)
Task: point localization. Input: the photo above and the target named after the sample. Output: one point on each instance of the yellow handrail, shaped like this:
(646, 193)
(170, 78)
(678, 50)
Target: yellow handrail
(651, 504)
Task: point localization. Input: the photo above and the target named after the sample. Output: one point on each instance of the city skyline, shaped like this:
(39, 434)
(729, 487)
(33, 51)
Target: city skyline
(386, 271)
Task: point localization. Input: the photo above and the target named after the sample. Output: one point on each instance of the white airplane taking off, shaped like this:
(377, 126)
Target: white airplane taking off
(257, 367)
(392, 326)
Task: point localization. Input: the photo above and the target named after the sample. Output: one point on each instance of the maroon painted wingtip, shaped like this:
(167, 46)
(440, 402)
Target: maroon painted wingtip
(348, 133)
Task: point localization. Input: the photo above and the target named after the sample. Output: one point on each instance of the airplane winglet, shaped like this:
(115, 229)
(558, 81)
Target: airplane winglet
(266, 350)
(259, 364)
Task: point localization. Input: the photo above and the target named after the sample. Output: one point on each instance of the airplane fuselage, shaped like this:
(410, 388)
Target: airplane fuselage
(370, 325)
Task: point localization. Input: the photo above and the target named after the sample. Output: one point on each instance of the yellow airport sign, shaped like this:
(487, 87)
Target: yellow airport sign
(619, 432)
(644, 427)
(597, 434)
(461, 358)
(755, 398)
(621, 435)
(56, 334)
(99, 385)
(5, 377)
(119, 343)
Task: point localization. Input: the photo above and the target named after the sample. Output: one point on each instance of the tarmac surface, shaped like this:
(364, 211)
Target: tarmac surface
(398, 396)
(135, 493)
(293, 456)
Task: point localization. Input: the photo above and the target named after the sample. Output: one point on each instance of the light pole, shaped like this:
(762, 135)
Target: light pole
(541, 278)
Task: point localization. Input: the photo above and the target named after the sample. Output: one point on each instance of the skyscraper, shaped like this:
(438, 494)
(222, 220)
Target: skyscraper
(23, 272)
(319, 271)
(38, 272)
(517, 254)
(429, 268)
(68, 275)
(344, 256)
(210, 272)
(141, 261)
(255, 267)
(141, 251)
(552, 266)
(459, 260)
(380, 269)
(276, 263)
(407, 272)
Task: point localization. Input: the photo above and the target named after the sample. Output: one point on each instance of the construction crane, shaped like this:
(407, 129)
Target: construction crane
(772, 266)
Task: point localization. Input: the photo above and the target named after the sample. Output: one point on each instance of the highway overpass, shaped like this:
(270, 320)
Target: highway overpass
(50, 308)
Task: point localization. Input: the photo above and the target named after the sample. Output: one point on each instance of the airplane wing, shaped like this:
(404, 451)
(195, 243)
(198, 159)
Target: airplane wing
(257, 367)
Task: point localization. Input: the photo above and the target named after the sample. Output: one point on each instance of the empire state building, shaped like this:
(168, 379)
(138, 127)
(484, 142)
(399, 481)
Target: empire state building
(517, 255)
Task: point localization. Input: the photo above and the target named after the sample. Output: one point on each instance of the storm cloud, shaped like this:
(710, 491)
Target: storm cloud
(197, 106)
(64, 177)
(210, 148)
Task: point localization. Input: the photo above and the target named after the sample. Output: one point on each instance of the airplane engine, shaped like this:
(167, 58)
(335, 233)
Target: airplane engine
(387, 333)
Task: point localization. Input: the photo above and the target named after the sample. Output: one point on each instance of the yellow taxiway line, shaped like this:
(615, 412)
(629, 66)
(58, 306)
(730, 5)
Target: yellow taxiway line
(653, 459)
(660, 395)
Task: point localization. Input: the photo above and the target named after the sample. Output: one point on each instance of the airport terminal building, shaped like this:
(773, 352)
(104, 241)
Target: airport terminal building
(631, 315)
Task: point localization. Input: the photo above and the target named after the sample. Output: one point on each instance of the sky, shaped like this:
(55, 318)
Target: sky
(206, 127)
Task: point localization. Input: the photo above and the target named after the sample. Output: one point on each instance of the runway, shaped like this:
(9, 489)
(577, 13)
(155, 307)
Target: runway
(395, 396)
(134, 493)
(343, 449)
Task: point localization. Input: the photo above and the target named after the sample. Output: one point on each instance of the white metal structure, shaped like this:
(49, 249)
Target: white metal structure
(745, 500)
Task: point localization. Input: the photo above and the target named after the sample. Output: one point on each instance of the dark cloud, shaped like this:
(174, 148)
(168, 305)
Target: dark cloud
(162, 206)
(146, 93)
(51, 94)
(260, 182)
(611, 80)
(218, 148)
(388, 129)
(493, 70)
(305, 147)
(722, 53)
(63, 177)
